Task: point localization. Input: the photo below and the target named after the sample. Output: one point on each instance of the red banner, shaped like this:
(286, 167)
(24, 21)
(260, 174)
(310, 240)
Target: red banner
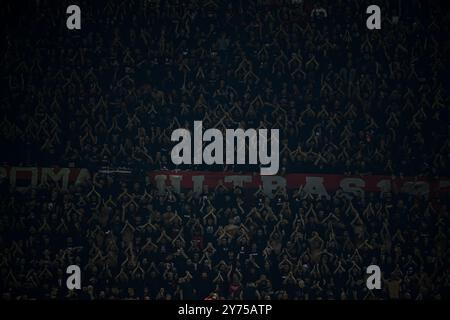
(315, 184)
(24, 177)
(319, 184)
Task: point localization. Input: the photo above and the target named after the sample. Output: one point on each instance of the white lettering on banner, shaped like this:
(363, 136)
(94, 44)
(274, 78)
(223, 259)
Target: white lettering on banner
(353, 186)
(63, 175)
(176, 182)
(160, 181)
(317, 185)
(384, 186)
(238, 181)
(33, 176)
(314, 186)
(198, 184)
(272, 183)
(83, 175)
(416, 188)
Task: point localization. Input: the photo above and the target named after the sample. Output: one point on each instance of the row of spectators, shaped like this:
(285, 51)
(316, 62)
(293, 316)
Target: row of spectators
(345, 98)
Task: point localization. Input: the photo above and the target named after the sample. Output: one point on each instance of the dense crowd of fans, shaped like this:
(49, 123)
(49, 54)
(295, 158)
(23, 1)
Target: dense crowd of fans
(346, 100)
(134, 242)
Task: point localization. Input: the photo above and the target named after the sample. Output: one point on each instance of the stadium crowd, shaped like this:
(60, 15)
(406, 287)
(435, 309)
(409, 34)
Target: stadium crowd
(134, 242)
(346, 100)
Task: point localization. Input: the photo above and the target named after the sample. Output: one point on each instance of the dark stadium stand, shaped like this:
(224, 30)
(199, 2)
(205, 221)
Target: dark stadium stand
(347, 100)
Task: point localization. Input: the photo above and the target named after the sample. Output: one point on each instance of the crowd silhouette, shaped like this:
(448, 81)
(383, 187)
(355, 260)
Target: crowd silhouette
(346, 99)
